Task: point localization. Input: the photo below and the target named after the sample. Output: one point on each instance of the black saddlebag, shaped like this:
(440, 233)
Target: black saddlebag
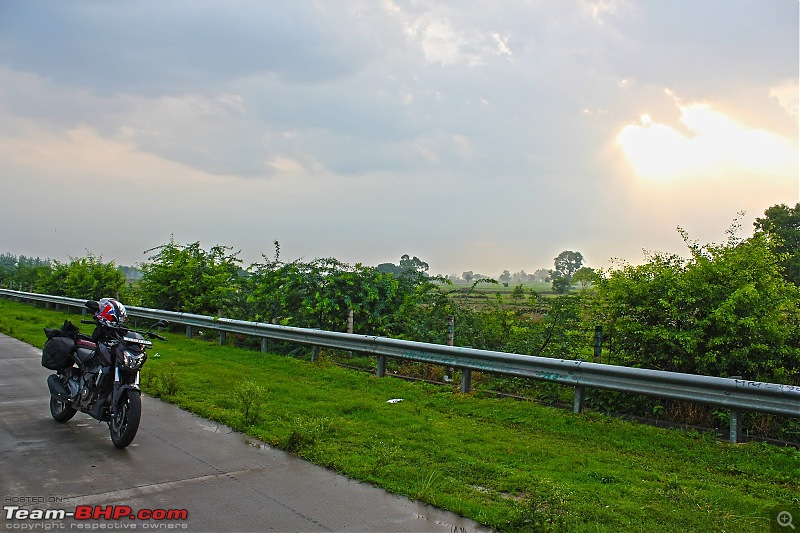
(60, 344)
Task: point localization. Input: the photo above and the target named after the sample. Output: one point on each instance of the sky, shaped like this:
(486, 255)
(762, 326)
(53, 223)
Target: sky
(482, 136)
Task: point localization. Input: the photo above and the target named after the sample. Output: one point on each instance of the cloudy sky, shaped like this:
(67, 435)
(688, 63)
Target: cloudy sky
(476, 135)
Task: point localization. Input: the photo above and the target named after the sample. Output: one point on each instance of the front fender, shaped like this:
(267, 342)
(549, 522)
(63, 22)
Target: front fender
(119, 388)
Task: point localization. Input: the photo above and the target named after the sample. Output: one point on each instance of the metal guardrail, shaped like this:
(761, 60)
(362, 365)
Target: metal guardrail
(735, 394)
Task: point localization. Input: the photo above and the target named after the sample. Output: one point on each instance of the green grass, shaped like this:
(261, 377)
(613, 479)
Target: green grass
(515, 466)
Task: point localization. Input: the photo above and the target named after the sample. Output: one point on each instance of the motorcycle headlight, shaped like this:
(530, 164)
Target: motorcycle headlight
(133, 361)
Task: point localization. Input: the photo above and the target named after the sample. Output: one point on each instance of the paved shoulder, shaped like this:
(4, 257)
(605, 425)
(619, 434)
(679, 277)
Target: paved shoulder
(224, 481)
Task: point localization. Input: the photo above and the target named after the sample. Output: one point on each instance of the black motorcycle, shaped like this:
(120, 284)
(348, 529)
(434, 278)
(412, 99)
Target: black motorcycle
(98, 375)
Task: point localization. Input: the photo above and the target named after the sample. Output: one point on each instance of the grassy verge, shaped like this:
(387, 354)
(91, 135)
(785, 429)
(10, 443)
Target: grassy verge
(515, 466)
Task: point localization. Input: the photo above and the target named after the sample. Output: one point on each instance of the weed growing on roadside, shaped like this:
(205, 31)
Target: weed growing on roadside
(250, 397)
(426, 487)
(304, 433)
(161, 384)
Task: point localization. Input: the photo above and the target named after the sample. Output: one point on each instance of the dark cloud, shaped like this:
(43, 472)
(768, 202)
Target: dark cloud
(154, 47)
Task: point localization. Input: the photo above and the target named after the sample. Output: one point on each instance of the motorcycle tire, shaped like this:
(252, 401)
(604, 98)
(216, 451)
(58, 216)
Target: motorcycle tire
(61, 411)
(125, 423)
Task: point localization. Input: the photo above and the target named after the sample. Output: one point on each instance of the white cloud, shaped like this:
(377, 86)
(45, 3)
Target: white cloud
(601, 10)
(787, 95)
(441, 43)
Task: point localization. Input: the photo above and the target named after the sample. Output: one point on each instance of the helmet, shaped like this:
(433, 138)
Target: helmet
(111, 313)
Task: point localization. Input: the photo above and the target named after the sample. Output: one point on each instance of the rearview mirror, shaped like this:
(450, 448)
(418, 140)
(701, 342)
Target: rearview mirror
(92, 305)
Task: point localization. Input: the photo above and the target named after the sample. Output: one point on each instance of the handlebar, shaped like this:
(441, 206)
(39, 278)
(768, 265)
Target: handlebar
(124, 329)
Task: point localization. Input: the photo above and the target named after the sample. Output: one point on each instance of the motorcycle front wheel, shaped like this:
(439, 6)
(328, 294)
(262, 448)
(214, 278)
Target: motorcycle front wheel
(125, 423)
(61, 411)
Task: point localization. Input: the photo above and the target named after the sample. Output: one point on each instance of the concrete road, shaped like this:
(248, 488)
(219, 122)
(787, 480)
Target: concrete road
(224, 480)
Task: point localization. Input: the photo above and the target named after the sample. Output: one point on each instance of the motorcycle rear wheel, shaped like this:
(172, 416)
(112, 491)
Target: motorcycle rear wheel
(61, 411)
(124, 425)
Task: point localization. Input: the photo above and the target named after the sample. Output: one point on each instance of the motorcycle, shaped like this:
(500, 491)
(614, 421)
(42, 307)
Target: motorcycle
(99, 374)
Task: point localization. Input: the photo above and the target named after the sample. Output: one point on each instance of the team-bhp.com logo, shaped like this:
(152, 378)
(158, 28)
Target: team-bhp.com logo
(96, 512)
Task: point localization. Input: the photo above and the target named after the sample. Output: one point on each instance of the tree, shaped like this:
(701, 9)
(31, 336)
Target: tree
(518, 293)
(407, 267)
(781, 225)
(567, 263)
(505, 277)
(561, 285)
(467, 276)
(390, 268)
(541, 274)
(585, 276)
(415, 265)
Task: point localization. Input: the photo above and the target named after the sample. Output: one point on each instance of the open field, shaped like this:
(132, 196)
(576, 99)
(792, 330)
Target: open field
(515, 466)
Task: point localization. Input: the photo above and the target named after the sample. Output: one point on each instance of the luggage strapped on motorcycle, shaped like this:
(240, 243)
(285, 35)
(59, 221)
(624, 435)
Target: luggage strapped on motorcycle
(60, 344)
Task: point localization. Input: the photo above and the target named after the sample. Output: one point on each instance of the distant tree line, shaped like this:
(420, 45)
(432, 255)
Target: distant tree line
(725, 309)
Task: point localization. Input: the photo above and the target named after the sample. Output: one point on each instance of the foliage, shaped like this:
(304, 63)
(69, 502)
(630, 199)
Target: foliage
(407, 267)
(319, 293)
(22, 272)
(250, 397)
(561, 285)
(781, 225)
(567, 263)
(190, 279)
(84, 277)
(724, 311)
(161, 384)
(585, 276)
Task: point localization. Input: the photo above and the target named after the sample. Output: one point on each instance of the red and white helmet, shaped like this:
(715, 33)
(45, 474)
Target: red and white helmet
(111, 313)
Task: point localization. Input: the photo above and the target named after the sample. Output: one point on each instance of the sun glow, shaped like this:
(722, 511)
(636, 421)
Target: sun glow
(711, 145)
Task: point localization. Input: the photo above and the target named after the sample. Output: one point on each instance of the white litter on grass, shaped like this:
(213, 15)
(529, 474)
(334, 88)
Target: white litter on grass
(394, 400)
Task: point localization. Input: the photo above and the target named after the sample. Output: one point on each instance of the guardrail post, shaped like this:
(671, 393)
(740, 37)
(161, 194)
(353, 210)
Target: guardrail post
(580, 399)
(736, 426)
(451, 335)
(466, 379)
(350, 327)
(380, 371)
(265, 340)
(315, 349)
(735, 433)
(223, 338)
(189, 332)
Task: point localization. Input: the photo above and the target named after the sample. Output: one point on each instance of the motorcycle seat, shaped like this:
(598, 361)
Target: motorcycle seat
(85, 343)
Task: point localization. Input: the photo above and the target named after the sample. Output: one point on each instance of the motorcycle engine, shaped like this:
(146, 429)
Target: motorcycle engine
(73, 386)
(89, 383)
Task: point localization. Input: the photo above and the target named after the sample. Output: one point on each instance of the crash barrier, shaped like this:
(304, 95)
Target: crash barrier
(735, 394)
